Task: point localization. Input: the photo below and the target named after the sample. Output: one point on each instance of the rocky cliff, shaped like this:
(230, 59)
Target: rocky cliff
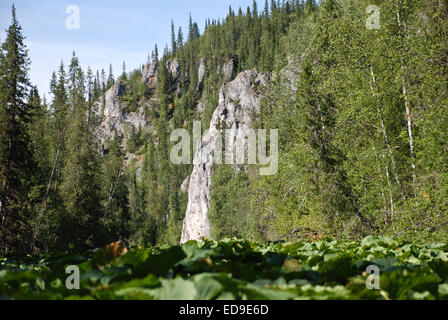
(149, 75)
(239, 101)
(114, 118)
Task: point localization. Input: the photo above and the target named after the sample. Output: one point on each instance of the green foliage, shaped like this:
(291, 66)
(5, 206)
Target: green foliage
(237, 270)
(362, 122)
(135, 140)
(115, 194)
(358, 139)
(135, 91)
(16, 155)
(228, 204)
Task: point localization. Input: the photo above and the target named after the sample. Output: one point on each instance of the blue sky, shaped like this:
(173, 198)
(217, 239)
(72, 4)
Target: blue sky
(111, 31)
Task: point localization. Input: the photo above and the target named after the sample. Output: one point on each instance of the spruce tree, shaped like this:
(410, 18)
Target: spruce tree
(190, 29)
(115, 193)
(80, 226)
(110, 77)
(16, 158)
(173, 39)
(180, 38)
(124, 76)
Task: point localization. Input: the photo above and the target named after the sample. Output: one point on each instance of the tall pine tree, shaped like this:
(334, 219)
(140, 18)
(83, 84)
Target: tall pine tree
(16, 160)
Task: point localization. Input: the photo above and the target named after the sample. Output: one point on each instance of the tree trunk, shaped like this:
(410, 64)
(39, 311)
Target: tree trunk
(113, 189)
(406, 100)
(384, 133)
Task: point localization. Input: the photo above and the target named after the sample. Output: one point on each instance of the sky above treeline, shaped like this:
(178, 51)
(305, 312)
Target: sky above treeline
(110, 31)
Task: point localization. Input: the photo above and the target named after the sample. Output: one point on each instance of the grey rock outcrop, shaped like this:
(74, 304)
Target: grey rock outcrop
(150, 75)
(114, 118)
(239, 100)
(174, 68)
(113, 112)
(228, 69)
(201, 70)
(200, 107)
(184, 186)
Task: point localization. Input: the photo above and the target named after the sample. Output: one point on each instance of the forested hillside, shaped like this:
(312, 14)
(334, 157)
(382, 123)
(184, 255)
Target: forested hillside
(361, 115)
(363, 137)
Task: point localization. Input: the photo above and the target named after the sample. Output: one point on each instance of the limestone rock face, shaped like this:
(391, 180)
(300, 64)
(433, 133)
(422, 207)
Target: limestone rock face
(174, 67)
(113, 117)
(150, 75)
(201, 70)
(239, 101)
(228, 69)
(184, 186)
(150, 70)
(200, 107)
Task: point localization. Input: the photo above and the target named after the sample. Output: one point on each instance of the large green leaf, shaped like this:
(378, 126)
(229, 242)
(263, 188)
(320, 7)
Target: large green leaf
(238, 269)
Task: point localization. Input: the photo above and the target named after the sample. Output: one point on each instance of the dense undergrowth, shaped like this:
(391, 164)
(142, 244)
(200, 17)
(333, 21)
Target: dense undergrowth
(236, 269)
